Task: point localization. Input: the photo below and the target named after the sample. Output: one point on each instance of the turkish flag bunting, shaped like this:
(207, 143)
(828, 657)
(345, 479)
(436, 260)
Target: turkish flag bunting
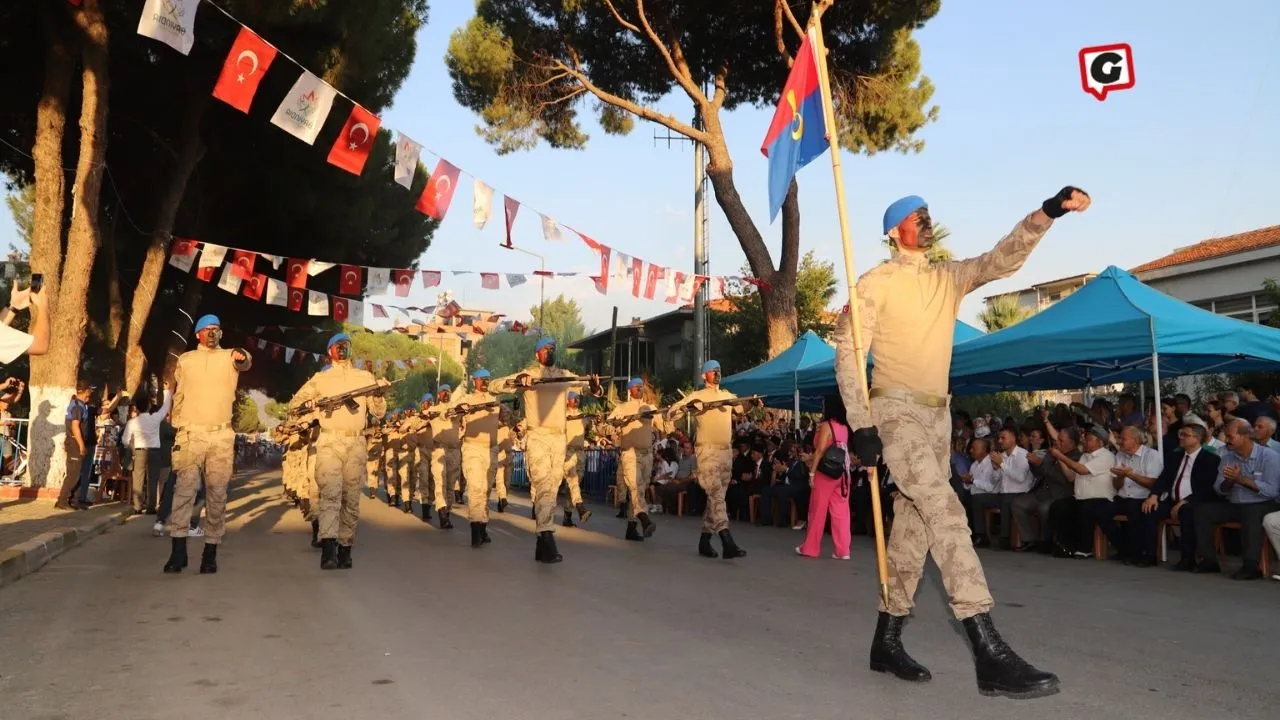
(430, 278)
(350, 284)
(436, 196)
(403, 280)
(510, 207)
(339, 309)
(255, 287)
(242, 264)
(296, 298)
(636, 266)
(243, 69)
(544, 273)
(296, 274)
(656, 273)
(379, 311)
(276, 350)
(180, 246)
(351, 149)
(205, 273)
(602, 284)
(489, 281)
(517, 327)
(674, 283)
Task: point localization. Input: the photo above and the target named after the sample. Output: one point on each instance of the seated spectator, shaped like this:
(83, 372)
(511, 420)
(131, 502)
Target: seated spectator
(686, 481)
(1184, 485)
(1249, 478)
(784, 486)
(1248, 406)
(664, 473)
(982, 479)
(1012, 479)
(960, 464)
(1264, 431)
(1136, 471)
(1128, 413)
(1052, 484)
(1074, 518)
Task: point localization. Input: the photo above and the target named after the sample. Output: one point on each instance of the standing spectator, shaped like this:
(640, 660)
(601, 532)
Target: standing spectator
(10, 392)
(830, 487)
(142, 436)
(76, 446)
(13, 343)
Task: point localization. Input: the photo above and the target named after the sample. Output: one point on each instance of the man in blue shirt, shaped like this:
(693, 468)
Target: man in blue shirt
(1249, 478)
(78, 445)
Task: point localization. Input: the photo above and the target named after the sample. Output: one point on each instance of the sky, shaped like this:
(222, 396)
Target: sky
(1189, 153)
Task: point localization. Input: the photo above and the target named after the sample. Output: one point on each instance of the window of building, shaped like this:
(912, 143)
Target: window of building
(676, 352)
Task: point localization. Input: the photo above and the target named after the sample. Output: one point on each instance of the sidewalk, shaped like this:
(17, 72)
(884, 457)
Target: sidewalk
(32, 532)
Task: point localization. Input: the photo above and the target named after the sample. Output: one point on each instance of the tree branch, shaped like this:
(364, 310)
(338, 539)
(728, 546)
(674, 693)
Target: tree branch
(618, 16)
(722, 87)
(795, 24)
(675, 61)
(777, 32)
(634, 108)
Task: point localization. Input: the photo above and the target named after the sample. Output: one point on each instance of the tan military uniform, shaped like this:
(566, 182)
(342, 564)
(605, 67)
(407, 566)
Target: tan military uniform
(479, 452)
(424, 446)
(575, 445)
(908, 309)
(410, 458)
(446, 457)
(506, 450)
(713, 451)
(635, 456)
(205, 443)
(545, 441)
(390, 459)
(340, 449)
(373, 453)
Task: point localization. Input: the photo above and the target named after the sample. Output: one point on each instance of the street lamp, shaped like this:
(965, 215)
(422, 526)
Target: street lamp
(542, 281)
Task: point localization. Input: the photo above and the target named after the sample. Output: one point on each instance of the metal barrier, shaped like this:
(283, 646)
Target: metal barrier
(599, 468)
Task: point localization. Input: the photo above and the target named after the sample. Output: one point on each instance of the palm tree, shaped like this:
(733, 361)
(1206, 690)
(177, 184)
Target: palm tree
(936, 254)
(1003, 311)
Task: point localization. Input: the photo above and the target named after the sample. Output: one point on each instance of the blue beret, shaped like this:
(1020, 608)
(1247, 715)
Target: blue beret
(340, 337)
(573, 396)
(900, 209)
(443, 387)
(481, 374)
(709, 366)
(206, 321)
(635, 382)
(426, 397)
(408, 407)
(544, 342)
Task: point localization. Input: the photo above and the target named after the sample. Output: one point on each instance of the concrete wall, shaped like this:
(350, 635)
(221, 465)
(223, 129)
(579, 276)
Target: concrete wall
(1217, 282)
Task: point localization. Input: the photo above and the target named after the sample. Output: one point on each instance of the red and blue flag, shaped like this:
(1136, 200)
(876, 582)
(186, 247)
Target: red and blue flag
(798, 133)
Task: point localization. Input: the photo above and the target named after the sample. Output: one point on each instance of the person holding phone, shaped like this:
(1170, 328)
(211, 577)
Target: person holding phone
(14, 343)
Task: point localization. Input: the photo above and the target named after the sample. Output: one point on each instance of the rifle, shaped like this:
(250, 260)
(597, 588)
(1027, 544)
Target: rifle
(347, 399)
(557, 380)
(585, 416)
(703, 407)
(645, 415)
(464, 409)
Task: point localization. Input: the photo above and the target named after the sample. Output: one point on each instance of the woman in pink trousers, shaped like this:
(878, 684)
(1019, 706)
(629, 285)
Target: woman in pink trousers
(830, 494)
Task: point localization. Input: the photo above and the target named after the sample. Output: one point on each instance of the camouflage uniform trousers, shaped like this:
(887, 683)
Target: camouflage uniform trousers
(544, 460)
(422, 473)
(340, 476)
(928, 517)
(288, 468)
(503, 476)
(373, 466)
(407, 473)
(198, 453)
(480, 466)
(572, 476)
(311, 488)
(446, 469)
(390, 459)
(635, 467)
(714, 463)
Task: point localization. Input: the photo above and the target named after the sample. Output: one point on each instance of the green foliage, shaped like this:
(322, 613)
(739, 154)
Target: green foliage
(392, 347)
(1001, 404)
(502, 353)
(277, 410)
(1001, 312)
(738, 337)
(244, 415)
(21, 203)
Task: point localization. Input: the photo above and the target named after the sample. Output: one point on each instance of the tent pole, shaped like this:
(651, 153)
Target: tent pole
(1155, 378)
(1142, 397)
(796, 419)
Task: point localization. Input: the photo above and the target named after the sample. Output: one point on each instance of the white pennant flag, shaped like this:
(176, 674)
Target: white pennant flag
(277, 292)
(229, 281)
(317, 303)
(182, 262)
(315, 267)
(377, 281)
(212, 255)
(304, 109)
(483, 204)
(673, 290)
(407, 154)
(687, 288)
(516, 279)
(275, 260)
(172, 22)
(551, 229)
(355, 312)
(621, 266)
(288, 354)
(262, 344)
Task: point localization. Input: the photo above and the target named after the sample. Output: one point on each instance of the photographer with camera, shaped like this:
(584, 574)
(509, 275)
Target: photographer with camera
(13, 343)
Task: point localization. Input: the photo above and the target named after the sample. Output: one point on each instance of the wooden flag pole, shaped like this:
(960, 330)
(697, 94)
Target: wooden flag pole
(846, 239)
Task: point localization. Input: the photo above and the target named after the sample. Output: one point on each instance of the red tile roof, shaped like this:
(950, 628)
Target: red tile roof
(1216, 247)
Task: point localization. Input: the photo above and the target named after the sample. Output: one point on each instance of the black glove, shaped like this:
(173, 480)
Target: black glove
(866, 445)
(1053, 206)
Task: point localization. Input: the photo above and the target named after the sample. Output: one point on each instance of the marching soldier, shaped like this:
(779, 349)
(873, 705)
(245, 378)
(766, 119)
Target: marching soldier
(713, 451)
(373, 450)
(410, 426)
(391, 458)
(634, 420)
(204, 445)
(340, 460)
(446, 458)
(424, 445)
(575, 446)
(545, 410)
(506, 450)
(479, 450)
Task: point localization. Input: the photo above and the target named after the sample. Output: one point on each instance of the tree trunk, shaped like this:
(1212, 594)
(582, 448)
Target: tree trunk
(115, 303)
(190, 150)
(49, 401)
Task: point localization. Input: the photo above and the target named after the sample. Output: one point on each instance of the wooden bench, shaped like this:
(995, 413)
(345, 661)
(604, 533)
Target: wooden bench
(989, 516)
(1264, 558)
(753, 506)
(1100, 538)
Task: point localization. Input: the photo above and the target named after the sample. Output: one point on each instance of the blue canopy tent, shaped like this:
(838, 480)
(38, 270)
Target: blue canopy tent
(821, 379)
(776, 379)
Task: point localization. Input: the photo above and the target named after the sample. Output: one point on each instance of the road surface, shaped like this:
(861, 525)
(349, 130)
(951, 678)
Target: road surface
(426, 627)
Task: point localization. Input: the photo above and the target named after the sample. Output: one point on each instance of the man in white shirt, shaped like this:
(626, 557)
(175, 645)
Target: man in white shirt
(981, 481)
(1074, 518)
(1137, 469)
(142, 435)
(1013, 477)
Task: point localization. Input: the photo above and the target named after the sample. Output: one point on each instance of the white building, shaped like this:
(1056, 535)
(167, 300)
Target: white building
(1223, 275)
(1041, 296)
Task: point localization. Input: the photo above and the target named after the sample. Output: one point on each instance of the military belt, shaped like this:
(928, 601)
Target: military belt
(911, 396)
(204, 428)
(343, 433)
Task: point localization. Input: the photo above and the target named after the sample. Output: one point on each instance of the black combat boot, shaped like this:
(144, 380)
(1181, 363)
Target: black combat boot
(632, 532)
(315, 533)
(344, 557)
(426, 513)
(731, 549)
(704, 546)
(408, 507)
(390, 500)
(328, 554)
(457, 497)
(395, 501)
(584, 514)
(533, 511)
(305, 507)
(546, 551)
(502, 504)
(209, 560)
(177, 555)
(568, 518)
(888, 655)
(476, 537)
(622, 510)
(1000, 670)
(445, 523)
(484, 533)
(649, 527)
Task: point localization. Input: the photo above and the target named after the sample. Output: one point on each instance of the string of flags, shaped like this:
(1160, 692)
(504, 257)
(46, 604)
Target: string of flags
(291, 355)
(302, 113)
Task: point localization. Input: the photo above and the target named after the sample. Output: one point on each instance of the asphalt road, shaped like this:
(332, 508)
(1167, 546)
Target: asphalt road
(424, 626)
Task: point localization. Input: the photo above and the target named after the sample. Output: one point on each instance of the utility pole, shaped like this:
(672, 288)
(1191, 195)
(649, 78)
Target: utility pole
(701, 257)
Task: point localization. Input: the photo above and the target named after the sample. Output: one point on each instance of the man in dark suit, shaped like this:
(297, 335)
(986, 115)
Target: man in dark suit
(1185, 484)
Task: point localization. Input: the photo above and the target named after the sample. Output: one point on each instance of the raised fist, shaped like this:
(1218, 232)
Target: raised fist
(1068, 199)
